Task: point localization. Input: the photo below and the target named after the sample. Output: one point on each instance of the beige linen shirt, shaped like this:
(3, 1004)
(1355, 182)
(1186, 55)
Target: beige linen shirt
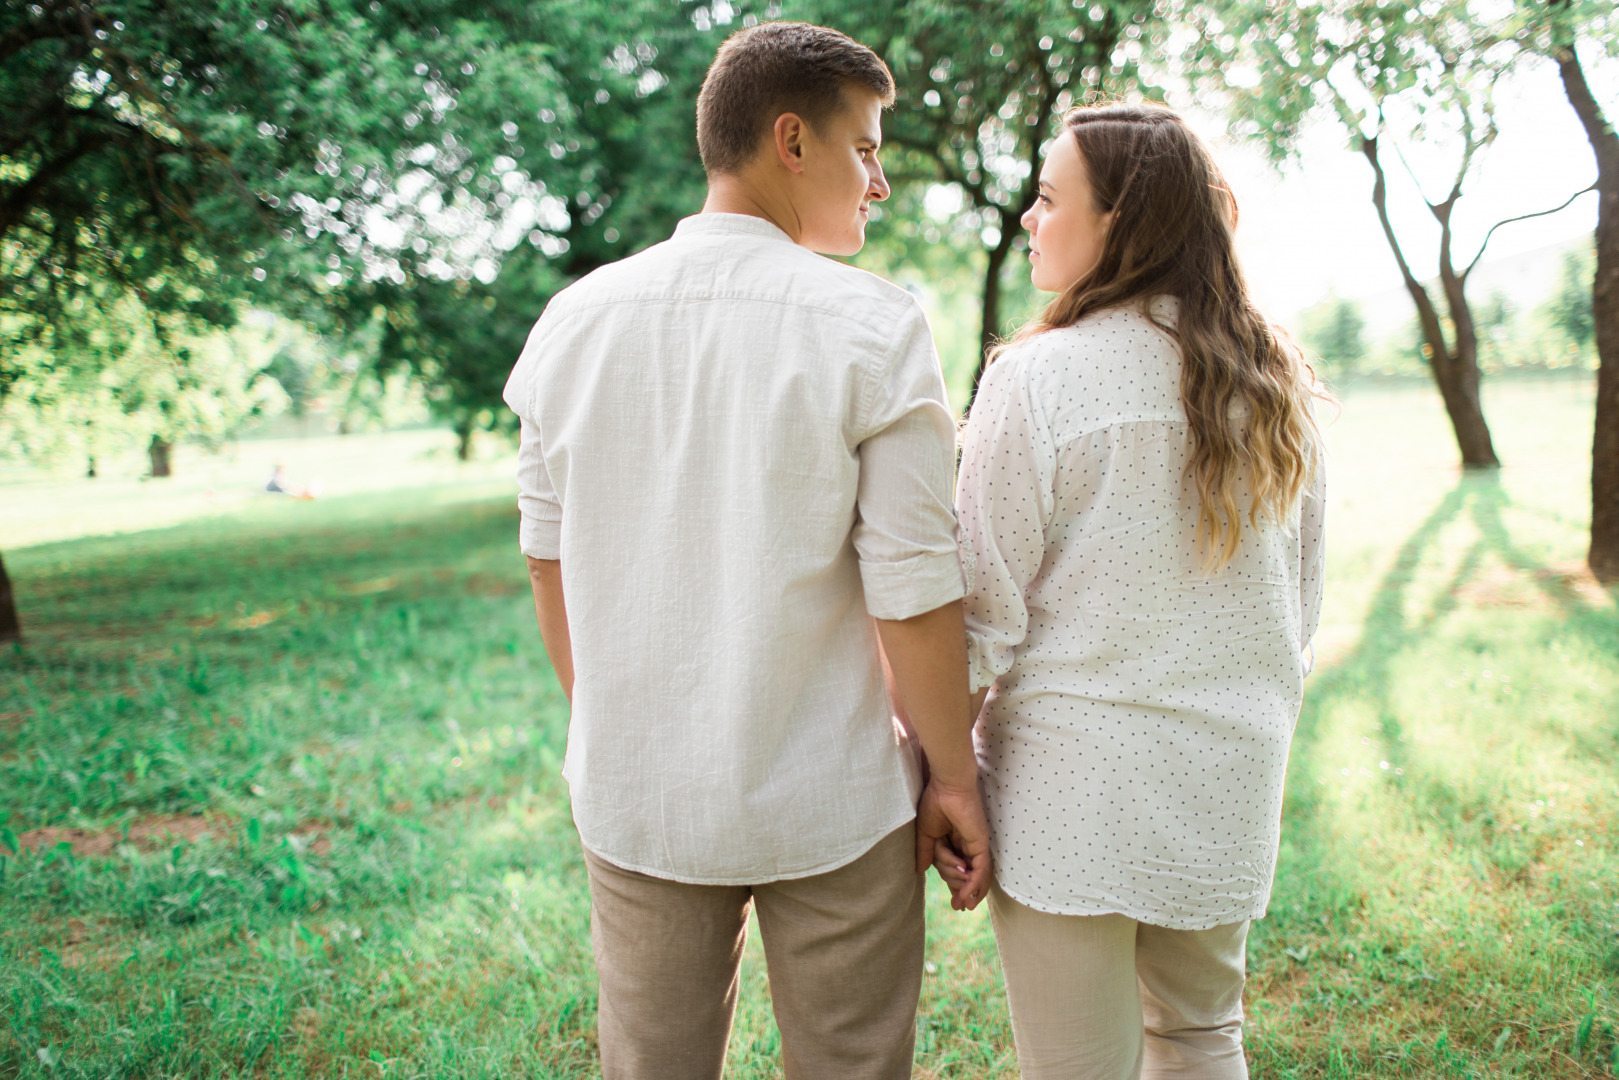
(1135, 741)
(740, 451)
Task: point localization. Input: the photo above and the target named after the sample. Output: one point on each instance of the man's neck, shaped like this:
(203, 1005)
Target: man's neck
(736, 195)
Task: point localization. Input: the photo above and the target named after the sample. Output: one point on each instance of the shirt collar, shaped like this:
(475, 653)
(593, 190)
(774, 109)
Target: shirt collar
(730, 225)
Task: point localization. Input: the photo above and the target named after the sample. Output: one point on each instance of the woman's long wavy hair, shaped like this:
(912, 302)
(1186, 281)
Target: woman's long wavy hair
(1244, 384)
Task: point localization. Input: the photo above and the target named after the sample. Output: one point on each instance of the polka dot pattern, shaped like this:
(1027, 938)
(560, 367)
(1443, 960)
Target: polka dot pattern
(1136, 736)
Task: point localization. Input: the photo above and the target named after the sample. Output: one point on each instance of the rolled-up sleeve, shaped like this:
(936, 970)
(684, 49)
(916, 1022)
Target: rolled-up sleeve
(905, 529)
(540, 528)
(1312, 559)
(1004, 499)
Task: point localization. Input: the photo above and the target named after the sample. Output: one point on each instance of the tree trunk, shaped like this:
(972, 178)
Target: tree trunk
(463, 439)
(1458, 376)
(1604, 554)
(10, 625)
(1455, 370)
(1012, 220)
(990, 329)
(158, 452)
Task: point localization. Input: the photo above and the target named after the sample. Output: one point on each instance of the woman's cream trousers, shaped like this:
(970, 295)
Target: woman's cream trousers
(1103, 997)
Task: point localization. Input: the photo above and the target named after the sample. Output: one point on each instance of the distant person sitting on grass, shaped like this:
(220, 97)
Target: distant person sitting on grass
(736, 466)
(278, 484)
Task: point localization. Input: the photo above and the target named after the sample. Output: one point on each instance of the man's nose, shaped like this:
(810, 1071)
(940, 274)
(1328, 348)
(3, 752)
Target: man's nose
(878, 189)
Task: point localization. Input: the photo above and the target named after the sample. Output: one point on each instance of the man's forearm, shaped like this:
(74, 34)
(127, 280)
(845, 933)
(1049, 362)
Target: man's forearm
(545, 577)
(927, 660)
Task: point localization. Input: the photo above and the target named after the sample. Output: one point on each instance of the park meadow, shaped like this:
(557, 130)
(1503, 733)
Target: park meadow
(280, 792)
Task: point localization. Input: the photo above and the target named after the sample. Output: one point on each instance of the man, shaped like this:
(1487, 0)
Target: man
(736, 469)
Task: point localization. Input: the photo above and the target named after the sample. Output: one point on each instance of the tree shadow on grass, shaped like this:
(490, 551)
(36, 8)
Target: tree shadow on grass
(1322, 874)
(1392, 629)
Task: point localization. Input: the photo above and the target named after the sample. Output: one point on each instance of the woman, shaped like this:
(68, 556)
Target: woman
(1140, 497)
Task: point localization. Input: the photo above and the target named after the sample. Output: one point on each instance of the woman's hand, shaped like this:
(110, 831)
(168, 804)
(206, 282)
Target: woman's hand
(952, 834)
(952, 870)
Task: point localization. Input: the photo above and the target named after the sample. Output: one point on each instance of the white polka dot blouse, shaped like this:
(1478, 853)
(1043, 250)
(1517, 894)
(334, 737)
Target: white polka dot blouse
(1136, 734)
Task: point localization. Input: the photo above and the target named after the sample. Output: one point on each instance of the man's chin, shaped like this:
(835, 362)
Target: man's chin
(842, 246)
(857, 238)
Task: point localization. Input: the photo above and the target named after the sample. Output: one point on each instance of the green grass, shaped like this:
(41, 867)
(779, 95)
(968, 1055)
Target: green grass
(312, 752)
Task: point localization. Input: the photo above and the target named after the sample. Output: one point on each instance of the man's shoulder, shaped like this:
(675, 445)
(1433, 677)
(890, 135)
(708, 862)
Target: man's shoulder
(680, 270)
(841, 284)
(609, 282)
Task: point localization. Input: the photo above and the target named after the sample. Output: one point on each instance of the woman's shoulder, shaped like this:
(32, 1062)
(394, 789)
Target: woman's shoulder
(1120, 331)
(1111, 366)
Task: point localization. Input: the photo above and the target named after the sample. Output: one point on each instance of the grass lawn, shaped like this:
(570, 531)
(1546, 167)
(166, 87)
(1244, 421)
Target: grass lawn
(284, 780)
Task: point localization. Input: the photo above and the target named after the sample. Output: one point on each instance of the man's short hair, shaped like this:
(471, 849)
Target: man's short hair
(776, 67)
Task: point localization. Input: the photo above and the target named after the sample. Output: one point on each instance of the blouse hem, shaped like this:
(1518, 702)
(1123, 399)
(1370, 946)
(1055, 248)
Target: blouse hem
(1201, 922)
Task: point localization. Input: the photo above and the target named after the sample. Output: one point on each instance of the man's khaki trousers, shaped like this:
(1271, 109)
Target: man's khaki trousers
(843, 949)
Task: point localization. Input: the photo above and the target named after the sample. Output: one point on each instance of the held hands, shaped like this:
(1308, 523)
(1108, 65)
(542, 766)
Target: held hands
(926, 663)
(952, 834)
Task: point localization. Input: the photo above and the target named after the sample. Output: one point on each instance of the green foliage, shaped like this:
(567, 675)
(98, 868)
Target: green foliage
(462, 337)
(169, 378)
(629, 78)
(1569, 310)
(197, 139)
(321, 156)
(980, 89)
(1544, 29)
(1334, 330)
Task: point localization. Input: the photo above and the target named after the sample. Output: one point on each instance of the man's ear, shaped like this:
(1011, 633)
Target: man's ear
(790, 133)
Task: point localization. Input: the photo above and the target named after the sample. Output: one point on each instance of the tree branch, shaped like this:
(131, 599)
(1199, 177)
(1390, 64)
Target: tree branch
(1429, 317)
(55, 25)
(16, 204)
(1522, 217)
(980, 194)
(1409, 171)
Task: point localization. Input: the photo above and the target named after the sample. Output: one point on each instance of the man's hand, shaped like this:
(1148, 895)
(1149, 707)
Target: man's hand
(926, 659)
(957, 870)
(952, 834)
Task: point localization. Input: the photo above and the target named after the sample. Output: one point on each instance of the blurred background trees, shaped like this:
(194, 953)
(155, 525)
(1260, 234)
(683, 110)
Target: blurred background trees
(979, 96)
(213, 212)
(1388, 74)
(366, 168)
(1335, 330)
(1555, 30)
